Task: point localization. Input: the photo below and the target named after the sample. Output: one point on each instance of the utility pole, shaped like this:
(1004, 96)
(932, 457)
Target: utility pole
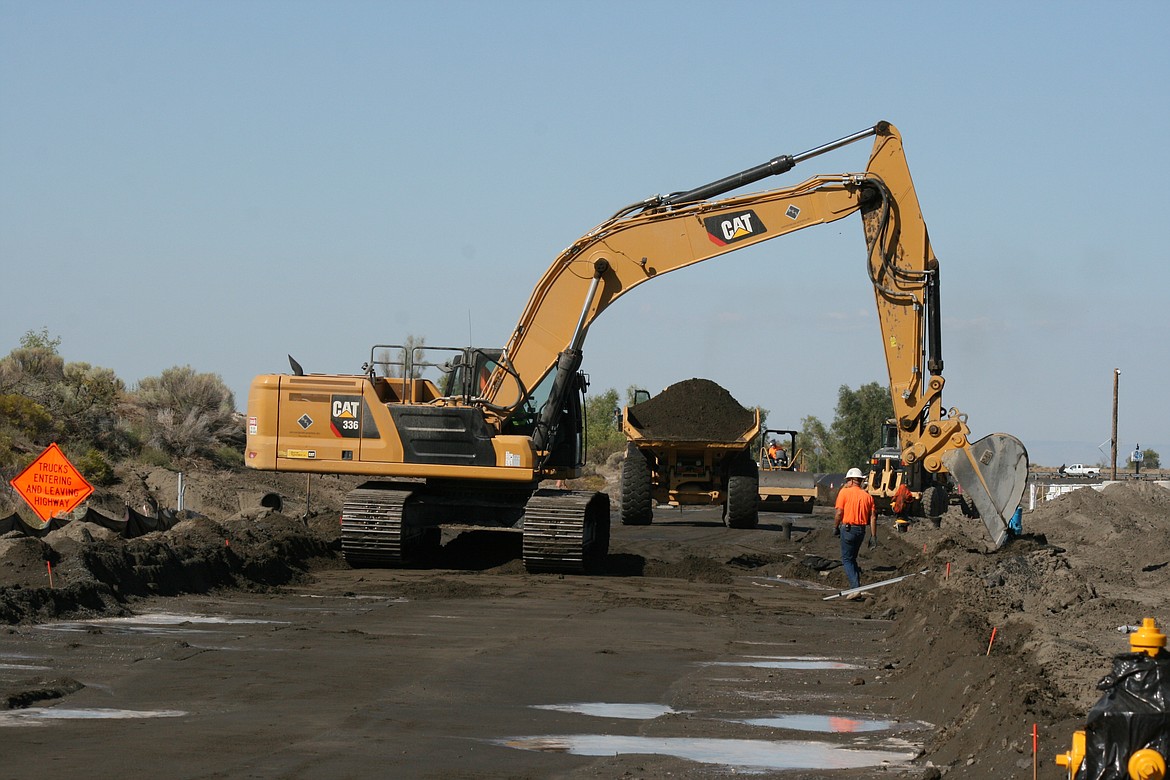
(1113, 444)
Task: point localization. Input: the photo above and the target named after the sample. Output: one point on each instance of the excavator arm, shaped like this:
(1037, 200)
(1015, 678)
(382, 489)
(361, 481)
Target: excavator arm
(665, 233)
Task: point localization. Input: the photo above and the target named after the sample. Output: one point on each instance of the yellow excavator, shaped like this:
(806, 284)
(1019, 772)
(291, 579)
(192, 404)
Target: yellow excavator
(473, 446)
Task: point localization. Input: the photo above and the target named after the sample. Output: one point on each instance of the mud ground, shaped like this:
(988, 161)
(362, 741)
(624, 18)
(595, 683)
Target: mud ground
(240, 645)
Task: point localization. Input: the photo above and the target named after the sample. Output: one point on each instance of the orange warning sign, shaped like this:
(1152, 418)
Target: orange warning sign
(51, 484)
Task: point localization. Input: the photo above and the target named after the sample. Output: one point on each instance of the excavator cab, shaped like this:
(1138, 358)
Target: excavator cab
(886, 470)
(467, 376)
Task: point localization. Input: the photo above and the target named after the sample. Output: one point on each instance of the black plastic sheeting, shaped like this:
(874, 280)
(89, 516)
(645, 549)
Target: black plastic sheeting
(129, 526)
(1133, 714)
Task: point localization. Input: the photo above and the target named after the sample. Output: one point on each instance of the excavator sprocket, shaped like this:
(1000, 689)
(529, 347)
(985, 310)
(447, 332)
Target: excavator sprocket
(993, 473)
(565, 531)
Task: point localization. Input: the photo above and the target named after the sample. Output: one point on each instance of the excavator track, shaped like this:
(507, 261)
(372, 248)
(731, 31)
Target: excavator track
(565, 531)
(372, 528)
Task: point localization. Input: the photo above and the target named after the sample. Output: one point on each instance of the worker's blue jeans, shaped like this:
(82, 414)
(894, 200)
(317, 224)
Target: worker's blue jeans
(852, 537)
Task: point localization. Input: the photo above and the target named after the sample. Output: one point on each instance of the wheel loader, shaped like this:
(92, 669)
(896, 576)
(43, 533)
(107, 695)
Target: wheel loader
(475, 446)
(931, 494)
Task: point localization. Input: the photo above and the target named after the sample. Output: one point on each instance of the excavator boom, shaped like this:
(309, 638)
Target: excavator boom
(666, 233)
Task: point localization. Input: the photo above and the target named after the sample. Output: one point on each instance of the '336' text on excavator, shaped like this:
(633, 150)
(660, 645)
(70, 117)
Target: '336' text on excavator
(472, 446)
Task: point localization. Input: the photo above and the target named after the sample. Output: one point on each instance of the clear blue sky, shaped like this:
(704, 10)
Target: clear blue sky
(217, 184)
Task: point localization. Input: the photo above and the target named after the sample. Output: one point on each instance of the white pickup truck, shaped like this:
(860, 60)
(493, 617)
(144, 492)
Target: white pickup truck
(1080, 470)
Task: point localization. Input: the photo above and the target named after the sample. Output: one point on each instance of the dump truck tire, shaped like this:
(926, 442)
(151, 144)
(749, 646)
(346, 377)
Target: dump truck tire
(742, 507)
(637, 506)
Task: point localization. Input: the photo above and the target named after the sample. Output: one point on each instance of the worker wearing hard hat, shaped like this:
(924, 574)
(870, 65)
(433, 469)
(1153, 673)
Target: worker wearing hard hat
(854, 511)
(777, 455)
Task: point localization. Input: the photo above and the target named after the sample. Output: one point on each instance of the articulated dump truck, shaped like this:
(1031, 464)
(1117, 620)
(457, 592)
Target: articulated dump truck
(689, 446)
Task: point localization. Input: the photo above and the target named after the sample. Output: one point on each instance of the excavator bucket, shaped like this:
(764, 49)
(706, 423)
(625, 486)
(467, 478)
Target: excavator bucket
(993, 473)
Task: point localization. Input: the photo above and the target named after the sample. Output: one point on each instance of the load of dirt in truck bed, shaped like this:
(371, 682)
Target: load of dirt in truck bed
(692, 410)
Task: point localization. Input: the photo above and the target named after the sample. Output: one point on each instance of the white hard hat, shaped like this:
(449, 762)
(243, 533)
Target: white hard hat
(854, 473)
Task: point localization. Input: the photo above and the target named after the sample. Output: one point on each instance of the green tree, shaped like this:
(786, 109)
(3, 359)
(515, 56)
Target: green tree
(86, 406)
(74, 402)
(603, 436)
(855, 433)
(815, 441)
(186, 413)
(857, 426)
(34, 369)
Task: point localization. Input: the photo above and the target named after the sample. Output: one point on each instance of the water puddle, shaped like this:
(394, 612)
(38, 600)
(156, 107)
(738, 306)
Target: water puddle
(155, 623)
(356, 597)
(37, 716)
(25, 667)
(748, 753)
(829, 724)
(771, 582)
(601, 709)
(787, 662)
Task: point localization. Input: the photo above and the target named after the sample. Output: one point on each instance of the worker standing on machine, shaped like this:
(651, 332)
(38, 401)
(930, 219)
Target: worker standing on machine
(853, 512)
(773, 451)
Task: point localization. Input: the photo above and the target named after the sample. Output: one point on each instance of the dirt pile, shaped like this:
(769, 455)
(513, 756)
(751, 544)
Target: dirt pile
(1059, 599)
(85, 568)
(692, 410)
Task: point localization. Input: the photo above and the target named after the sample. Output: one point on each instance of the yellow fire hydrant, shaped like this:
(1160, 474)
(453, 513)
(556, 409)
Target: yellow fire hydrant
(1127, 733)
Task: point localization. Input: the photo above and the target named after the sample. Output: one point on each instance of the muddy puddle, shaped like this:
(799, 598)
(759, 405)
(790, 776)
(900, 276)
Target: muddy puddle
(155, 624)
(831, 724)
(787, 662)
(599, 709)
(745, 754)
(752, 754)
(40, 716)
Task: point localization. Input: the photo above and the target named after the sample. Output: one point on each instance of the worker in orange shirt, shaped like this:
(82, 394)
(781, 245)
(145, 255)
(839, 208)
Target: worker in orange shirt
(776, 455)
(854, 511)
(903, 497)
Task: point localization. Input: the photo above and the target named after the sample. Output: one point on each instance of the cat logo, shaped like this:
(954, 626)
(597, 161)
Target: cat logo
(345, 416)
(730, 228)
